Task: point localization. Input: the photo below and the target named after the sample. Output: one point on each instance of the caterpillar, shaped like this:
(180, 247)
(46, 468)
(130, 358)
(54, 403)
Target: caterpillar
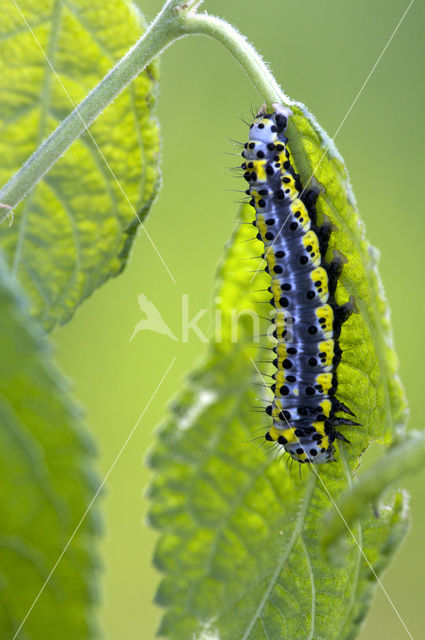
(306, 315)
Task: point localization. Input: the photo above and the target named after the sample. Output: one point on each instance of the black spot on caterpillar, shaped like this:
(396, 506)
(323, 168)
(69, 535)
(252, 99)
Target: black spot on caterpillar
(306, 316)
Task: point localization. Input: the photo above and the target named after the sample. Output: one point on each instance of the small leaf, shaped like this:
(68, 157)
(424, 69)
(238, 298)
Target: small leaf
(46, 483)
(240, 531)
(404, 458)
(75, 229)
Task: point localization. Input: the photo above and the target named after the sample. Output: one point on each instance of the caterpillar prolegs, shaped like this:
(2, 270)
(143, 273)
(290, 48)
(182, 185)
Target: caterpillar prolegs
(306, 316)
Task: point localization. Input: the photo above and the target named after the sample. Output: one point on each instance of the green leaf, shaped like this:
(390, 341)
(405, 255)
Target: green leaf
(404, 458)
(46, 484)
(75, 229)
(240, 532)
(369, 370)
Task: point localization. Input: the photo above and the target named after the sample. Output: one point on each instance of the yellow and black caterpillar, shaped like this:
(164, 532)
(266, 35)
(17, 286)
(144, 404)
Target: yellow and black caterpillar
(307, 318)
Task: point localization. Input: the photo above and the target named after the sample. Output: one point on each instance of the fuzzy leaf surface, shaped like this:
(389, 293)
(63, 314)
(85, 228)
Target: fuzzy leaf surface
(46, 483)
(75, 229)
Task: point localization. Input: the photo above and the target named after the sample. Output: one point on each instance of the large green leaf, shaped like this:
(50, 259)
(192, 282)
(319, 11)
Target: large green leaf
(75, 229)
(240, 532)
(46, 484)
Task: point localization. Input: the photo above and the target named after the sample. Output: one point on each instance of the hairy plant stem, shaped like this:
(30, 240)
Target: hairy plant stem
(242, 50)
(175, 21)
(404, 457)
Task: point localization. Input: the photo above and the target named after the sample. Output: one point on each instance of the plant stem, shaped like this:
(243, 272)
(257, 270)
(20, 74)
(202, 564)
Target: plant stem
(403, 458)
(173, 22)
(242, 50)
(162, 31)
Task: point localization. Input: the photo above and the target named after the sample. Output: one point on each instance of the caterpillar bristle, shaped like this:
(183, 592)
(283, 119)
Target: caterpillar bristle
(244, 121)
(249, 240)
(265, 375)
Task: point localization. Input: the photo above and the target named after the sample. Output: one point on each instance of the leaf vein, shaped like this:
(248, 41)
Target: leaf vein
(297, 529)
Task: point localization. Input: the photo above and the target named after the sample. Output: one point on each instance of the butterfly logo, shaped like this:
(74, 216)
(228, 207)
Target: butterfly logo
(153, 321)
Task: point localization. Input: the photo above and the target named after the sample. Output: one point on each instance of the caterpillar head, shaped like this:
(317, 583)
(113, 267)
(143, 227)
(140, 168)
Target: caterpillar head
(263, 129)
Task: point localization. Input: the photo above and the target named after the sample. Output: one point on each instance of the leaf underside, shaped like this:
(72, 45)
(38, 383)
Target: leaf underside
(74, 230)
(46, 483)
(240, 544)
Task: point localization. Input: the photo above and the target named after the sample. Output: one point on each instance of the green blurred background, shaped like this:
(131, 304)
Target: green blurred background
(321, 53)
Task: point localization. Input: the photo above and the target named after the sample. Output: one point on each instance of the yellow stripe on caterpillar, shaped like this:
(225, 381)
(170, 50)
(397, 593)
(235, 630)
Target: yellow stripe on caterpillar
(300, 214)
(260, 170)
(326, 352)
(325, 381)
(326, 407)
(311, 244)
(319, 278)
(287, 434)
(261, 224)
(326, 314)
